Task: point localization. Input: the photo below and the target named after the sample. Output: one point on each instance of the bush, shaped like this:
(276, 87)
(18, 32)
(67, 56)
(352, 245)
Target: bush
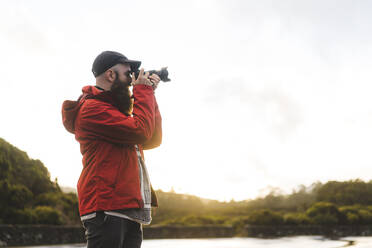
(324, 219)
(47, 199)
(296, 219)
(324, 213)
(365, 216)
(356, 214)
(193, 220)
(369, 208)
(20, 216)
(352, 218)
(265, 217)
(350, 214)
(16, 196)
(67, 204)
(47, 215)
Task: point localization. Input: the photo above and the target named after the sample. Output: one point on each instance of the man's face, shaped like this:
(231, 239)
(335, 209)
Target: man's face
(120, 88)
(122, 74)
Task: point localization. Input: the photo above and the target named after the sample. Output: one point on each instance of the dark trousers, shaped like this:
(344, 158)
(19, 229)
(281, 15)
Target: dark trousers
(106, 231)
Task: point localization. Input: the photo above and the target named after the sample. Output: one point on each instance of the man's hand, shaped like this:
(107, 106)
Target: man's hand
(143, 78)
(155, 79)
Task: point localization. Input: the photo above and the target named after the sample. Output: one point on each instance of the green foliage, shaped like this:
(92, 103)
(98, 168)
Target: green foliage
(47, 199)
(299, 208)
(365, 216)
(238, 223)
(322, 208)
(350, 214)
(176, 205)
(18, 168)
(356, 214)
(296, 219)
(20, 216)
(27, 194)
(16, 196)
(265, 217)
(299, 200)
(194, 220)
(20, 196)
(346, 193)
(38, 215)
(47, 215)
(352, 218)
(324, 219)
(324, 213)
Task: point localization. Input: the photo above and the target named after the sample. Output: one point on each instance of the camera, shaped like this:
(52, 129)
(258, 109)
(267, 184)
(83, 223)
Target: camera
(162, 73)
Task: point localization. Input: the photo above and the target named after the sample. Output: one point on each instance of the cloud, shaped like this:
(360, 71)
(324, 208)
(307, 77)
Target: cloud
(270, 106)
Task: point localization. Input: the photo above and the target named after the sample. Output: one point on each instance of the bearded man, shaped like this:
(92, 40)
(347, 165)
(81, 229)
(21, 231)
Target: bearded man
(113, 128)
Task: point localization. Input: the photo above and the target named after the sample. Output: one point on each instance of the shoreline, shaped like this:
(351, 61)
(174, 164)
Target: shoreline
(348, 242)
(34, 235)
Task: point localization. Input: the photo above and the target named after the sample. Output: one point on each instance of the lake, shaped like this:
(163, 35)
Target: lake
(285, 242)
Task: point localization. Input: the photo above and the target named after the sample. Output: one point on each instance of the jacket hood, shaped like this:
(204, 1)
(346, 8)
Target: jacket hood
(70, 108)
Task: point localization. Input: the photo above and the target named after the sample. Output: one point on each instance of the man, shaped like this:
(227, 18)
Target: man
(113, 127)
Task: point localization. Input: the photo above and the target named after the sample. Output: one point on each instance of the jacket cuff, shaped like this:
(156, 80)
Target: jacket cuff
(142, 86)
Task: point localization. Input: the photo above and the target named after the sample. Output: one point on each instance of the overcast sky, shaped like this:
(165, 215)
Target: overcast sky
(263, 93)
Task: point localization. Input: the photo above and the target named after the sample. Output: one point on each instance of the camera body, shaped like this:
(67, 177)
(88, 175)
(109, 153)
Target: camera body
(162, 73)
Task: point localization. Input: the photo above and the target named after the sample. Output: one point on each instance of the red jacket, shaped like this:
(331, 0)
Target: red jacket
(110, 176)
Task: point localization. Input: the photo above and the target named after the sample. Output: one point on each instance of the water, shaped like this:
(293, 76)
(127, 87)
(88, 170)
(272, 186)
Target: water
(286, 242)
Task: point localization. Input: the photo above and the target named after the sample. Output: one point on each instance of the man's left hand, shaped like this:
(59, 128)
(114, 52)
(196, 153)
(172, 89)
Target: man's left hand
(155, 79)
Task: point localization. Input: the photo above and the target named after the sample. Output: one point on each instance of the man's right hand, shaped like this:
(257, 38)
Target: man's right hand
(143, 78)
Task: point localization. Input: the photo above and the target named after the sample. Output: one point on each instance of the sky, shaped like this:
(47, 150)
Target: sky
(264, 94)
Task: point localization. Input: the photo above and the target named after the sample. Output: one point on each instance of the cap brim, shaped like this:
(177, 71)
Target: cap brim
(134, 64)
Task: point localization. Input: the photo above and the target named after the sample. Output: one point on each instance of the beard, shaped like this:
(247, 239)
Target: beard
(122, 95)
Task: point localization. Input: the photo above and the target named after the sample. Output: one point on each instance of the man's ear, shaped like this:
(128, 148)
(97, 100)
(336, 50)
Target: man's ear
(110, 75)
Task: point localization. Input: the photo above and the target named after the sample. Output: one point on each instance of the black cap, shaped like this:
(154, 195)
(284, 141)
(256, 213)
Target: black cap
(108, 59)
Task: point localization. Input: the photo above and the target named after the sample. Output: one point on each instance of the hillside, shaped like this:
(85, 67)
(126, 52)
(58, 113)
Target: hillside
(27, 194)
